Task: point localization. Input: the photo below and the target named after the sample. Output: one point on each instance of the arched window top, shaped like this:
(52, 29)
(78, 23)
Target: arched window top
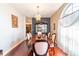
(69, 9)
(70, 14)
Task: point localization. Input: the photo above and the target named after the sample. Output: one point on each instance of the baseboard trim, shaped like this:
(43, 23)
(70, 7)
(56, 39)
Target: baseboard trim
(8, 51)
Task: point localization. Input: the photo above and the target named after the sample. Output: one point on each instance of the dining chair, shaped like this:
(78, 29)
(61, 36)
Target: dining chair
(54, 38)
(41, 47)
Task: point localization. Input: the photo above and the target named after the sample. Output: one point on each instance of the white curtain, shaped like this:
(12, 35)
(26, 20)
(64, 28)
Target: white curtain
(68, 34)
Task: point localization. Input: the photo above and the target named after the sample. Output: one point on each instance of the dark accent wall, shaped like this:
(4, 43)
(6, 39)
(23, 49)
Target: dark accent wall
(43, 20)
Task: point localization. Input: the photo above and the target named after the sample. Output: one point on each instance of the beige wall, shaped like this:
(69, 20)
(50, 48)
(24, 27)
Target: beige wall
(54, 20)
(55, 17)
(28, 20)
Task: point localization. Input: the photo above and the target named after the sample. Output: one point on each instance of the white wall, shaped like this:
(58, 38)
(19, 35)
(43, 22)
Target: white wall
(8, 35)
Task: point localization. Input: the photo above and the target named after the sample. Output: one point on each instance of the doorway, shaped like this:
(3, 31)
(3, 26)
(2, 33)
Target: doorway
(28, 28)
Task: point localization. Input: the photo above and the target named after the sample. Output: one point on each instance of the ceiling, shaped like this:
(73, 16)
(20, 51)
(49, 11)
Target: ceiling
(30, 9)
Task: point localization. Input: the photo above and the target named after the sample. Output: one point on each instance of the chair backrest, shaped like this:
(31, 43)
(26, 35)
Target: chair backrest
(29, 36)
(53, 37)
(41, 47)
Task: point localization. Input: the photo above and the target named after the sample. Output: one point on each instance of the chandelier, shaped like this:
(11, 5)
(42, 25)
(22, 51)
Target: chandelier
(38, 17)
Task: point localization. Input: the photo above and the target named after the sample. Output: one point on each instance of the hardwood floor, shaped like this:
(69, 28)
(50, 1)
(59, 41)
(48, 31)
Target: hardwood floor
(55, 51)
(22, 50)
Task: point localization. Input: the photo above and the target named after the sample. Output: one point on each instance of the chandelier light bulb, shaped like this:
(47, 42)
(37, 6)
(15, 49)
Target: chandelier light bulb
(38, 16)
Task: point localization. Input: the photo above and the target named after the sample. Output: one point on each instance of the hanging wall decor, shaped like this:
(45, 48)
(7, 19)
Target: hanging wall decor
(14, 21)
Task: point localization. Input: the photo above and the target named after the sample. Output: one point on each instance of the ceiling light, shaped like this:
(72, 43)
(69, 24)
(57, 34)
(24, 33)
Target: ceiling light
(38, 16)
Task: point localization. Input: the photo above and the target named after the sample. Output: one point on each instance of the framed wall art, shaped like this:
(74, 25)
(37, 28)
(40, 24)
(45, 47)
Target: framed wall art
(14, 21)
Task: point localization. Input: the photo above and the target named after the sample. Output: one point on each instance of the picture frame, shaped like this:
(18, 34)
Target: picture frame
(14, 21)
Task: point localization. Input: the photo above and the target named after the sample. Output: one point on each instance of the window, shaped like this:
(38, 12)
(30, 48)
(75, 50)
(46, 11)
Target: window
(68, 29)
(41, 27)
(70, 14)
(70, 8)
